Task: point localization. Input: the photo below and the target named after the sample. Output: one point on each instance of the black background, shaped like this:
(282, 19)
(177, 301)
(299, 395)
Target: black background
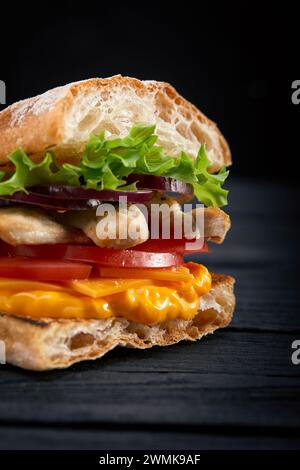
(229, 58)
(237, 389)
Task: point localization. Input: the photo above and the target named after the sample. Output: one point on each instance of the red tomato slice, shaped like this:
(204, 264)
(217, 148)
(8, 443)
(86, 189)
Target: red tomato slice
(101, 256)
(43, 269)
(183, 246)
(139, 259)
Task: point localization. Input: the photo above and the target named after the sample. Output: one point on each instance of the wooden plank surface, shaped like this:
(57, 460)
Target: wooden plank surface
(235, 389)
(147, 439)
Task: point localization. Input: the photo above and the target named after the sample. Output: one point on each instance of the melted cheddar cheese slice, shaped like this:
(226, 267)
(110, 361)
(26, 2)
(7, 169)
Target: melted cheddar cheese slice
(139, 300)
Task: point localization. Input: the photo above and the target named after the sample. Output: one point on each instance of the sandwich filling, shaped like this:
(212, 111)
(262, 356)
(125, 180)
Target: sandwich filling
(147, 301)
(60, 257)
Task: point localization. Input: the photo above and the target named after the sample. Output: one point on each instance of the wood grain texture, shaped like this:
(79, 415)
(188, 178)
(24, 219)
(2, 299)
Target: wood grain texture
(235, 389)
(146, 439)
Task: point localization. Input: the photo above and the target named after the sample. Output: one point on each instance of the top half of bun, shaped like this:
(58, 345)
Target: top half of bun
(64, 118)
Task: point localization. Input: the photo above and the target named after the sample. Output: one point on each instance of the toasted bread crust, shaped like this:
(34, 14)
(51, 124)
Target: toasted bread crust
(63, 118)
(50, 344)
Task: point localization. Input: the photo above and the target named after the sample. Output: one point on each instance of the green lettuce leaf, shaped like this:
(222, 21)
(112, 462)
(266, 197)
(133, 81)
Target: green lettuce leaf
(107, 163)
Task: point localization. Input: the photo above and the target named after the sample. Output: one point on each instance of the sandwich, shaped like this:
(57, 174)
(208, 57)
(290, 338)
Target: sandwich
(81, 268)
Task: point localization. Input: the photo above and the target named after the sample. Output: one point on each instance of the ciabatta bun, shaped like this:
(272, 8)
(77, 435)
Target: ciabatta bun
(63, 119)
(53, 344)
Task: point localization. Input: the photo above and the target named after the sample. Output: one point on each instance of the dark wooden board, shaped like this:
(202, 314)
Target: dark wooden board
(235, 389)
(145, 439)
(218, 379)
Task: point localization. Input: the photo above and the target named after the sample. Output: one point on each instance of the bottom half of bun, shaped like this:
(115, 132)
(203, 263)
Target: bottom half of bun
(46, 344)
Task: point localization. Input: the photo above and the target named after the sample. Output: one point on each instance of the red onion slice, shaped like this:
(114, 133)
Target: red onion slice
(69, 203)
(146, 184)
(160, 183)
(63, 197)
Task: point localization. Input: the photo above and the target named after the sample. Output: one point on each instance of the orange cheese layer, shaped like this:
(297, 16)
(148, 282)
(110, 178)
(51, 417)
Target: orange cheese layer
(139, 300)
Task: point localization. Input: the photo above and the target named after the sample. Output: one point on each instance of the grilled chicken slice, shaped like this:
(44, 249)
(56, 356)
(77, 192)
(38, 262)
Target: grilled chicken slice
(21, 225)
(213, 221)
(216, 223)
(24, 226)
(124, 228)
